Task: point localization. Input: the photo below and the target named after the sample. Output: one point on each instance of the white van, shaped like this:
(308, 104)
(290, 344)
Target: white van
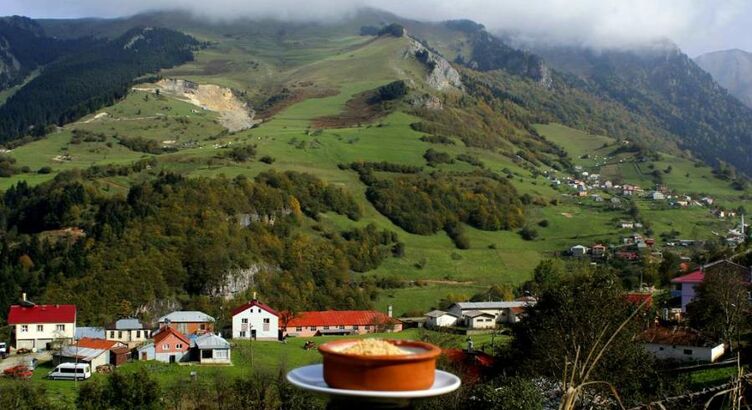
(70, 371)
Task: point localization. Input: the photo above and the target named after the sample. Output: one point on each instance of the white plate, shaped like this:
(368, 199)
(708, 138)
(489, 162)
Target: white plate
(312, 378)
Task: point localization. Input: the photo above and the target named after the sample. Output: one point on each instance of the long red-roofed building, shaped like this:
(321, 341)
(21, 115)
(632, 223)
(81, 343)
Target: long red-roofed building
(339, 322)
(36, 327)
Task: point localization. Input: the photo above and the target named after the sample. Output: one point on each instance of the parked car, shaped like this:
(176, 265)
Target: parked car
(3, 350)
(18, 372)
(70, 371)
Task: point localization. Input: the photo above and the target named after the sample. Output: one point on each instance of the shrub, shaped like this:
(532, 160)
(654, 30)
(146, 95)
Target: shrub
(267, 159)
(392, 91)
(543, 223)
(528, 234)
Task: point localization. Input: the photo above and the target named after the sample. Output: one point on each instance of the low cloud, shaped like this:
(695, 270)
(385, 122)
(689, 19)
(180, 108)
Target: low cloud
(598, 23)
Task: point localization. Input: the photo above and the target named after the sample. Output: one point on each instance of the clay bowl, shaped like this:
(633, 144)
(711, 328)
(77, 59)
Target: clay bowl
(414, 371)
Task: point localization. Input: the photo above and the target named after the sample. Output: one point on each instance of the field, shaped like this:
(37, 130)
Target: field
(247, 357)
(328, 71)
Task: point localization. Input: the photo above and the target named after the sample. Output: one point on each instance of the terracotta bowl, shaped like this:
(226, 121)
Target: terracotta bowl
(384, 373)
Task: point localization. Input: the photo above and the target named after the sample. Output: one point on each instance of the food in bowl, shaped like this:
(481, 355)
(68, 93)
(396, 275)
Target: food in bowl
(382, 365)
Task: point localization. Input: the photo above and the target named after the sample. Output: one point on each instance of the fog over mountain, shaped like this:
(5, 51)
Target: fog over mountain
(696, 25)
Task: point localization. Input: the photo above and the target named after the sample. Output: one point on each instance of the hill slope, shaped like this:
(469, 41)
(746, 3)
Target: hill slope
(732, 69)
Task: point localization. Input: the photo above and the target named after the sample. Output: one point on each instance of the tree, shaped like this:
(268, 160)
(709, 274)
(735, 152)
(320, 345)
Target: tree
(576, 315)
(721, 305)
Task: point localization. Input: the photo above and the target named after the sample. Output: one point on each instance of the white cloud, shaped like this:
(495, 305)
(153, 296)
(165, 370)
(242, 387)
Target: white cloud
(592, 22)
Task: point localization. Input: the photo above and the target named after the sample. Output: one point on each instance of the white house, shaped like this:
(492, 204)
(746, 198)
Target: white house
(255, 320)
(681, 344)
(36, 327)
(476, 319)
(578, 251)
(129, 331)
(657, 196)
(212, 349)
(439, 318)
(503, 312)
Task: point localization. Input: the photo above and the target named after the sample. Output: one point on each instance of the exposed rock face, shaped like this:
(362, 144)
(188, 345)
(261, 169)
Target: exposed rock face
(235, 115)
(238, 281)
(442, 76)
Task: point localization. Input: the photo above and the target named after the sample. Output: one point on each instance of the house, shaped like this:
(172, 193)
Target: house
(578, 251)
(439, 318)
(657, 196)
(686, 285)
(188, 322)
(170, 346)
(212, 349)
(129, 331)
(95, 352)
(626, 255)
(680, 344)
(255, 320)
(608, 184)
(503, 311)
(339, 322)
(36, 327)
(598, 250)
(626, 225)
(476, 319)
(707, 200)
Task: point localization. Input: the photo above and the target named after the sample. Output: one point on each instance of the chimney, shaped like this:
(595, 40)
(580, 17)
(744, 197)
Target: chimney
(23, 297)
(254, 295)
(389, 311)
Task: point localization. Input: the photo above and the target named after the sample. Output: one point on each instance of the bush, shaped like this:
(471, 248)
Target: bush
(394, 29)
(45, 170)
(543, 223)
(528, 234)
(392, 91)
(434, 157)
(267, 159)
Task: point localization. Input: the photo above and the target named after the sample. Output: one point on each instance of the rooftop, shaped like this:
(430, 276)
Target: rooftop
(676, 336)
(128, 324)
(695, 277)
(187, 316)
(167, 331)
(42, 314)
(438, 313)
(492, 305)
(340, 317)
(253, 303)
(211, 341)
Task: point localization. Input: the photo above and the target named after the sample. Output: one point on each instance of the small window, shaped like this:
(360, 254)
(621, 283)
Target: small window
(24, 328)
(179, 346)
(313, 327)
(266, 320)
(244, 321)
(356, 327)
(242, 334)
(166, 346)
(40, 328)
(368, 327)
(202, 326)
(60, 328)
(138, 334)
(341, 326)
(120, 334)
(112, 334)
(326, 327)
(298, 329)
(688, 352)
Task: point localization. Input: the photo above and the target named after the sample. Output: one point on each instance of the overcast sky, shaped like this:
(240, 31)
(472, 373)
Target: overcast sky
(696, 25)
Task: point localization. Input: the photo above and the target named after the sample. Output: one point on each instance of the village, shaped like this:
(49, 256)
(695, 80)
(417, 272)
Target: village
(51, 333)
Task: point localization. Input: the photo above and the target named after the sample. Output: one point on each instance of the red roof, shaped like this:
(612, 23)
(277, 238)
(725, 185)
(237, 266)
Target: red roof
(339, 317)
(42, 314)
(637, 298)
(166, 331)
(695, 277)
(93, 343)
(252, 304)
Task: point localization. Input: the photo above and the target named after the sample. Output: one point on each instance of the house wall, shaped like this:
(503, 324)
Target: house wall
(33, 338)
(441, 321)
(482, 322)
(255, 317)
(687, 294)
(149, 350)
(224, 357)
(189, 328)
(129, 337)
(685, 353)
(306, 331)
(169, 347)
(103, 358)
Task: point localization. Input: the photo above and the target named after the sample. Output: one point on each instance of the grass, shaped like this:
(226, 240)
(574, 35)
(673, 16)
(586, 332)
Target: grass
(247, 357)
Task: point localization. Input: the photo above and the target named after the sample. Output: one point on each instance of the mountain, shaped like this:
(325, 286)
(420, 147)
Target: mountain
(732, 69)
(664, 86)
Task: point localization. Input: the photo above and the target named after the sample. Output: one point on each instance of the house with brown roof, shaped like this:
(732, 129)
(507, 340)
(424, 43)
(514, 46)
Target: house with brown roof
(682, 344)
(96, 352)
(170, 346)
(339, 322)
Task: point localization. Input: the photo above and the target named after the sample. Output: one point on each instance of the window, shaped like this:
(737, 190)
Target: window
(112, 334)
(266, 320)
(40, 328)
(60, 328)
(24, 328)
(244, 321)
(242, 334)
(220, 354)
(179, 346)
(166, 346)
(120, 334)
(341, 326)
(138, 334)
(326, 327)
(202, 326)
(298, 329)
(368, 327)
(313, 327)
(356, 327)
(688, 352)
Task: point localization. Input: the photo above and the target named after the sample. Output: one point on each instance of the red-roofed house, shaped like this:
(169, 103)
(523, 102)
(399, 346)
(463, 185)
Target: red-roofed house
(95, 352)
(255, 320)
(638, 298)
(339, 322)
(37, 326)
(680, 344)
(685, 286)
(170, 345)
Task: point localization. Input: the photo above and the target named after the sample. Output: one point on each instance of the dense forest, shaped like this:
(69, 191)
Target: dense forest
(178, 241)
(81, 83)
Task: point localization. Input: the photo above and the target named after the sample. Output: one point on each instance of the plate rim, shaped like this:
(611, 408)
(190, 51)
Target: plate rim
(407, 394)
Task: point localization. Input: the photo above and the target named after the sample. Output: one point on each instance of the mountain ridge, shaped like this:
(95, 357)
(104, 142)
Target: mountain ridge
(732, 69)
